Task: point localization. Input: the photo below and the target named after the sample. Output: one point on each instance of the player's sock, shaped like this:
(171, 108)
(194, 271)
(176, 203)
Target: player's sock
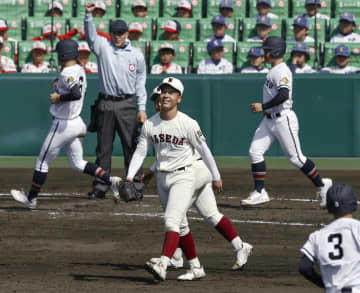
(310, 170)
(226, 229)
(94, 170)
(259, 172)
(171, 242)
(187, 245)
(38, 180)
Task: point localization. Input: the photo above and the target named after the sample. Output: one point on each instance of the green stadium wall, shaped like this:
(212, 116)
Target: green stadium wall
(327, 106)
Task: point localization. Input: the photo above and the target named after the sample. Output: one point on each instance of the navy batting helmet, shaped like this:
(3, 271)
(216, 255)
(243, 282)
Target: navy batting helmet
(67, 50)
(276, 45)
(341, 199)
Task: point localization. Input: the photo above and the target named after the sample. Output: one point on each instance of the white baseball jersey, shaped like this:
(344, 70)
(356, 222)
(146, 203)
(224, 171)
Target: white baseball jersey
(207, 66)
(32, 68)
(252, 69)
(69, 77)
(306, 69)
(278, 77)
(269, 15)
(172, 69)
(255, 39)
(341, 70)
(336, 248)
(318, 16)
(350, 38)
(7, 65)
(91, 67)
(225, 39)
(307, 39)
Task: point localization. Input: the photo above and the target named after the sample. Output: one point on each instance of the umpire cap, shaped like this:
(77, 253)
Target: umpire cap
(67, 50)
(341, 199)
(276, 45)
(118, 26)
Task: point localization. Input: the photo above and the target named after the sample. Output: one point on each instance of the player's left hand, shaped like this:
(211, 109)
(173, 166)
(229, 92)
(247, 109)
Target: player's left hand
(141, 116)
(256, 107)
(217, 186)
(55, 98)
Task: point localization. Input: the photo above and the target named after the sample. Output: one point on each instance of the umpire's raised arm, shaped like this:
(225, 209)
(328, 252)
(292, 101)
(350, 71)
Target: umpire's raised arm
(93, 39)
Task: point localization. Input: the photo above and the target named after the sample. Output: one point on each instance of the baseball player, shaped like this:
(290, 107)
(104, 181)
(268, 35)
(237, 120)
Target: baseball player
(67, 127)
(204, 201)
(279, 123)
(342, 59)
(347, 23)
(216, 64)
(139, 8)
(226, 8)
(55, 9)
(301, 29)
(313, 7)
(166, 54)
(38, 65)
(7, 65)
(263, 28)
(299, 57)
(336, 247)
(84, 56)
(184, 9)
(219, 26)
(256, 57)
(264, 7)
(172, 30)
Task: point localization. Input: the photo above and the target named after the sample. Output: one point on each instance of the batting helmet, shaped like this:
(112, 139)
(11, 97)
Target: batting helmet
(341, 199)
(276, 45)
(67, 50)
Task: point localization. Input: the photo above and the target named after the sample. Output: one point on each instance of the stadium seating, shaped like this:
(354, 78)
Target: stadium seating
(102, 24)
(280, 8)
(112, 8)
(334, 28)
(169, 8)
(141, 45)
(152, 7)
(213, 8)
(206, 28)
(9, 50)
(248, 25)
(34, 25)
(25, 48)
(329, 54)
(321, 28)
(13, 9)
(41, 7)
(188, 28)
(147, 24)
(346, 5)
(298, 7)
(16, 27)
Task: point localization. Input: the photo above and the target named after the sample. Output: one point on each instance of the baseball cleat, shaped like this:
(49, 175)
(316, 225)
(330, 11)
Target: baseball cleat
(158, 270)
(174, 263)
(256, 198)
(115, 188)
(242, 256)
(192, 274)
(22, 197)
(321, 191)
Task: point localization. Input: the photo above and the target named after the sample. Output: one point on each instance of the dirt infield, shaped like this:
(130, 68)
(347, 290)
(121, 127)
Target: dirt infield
(72, 244)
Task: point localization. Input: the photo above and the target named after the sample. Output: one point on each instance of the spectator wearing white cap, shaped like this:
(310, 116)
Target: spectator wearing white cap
(184, 9)
(135, 32)
(139, 8)
(7, 65)
(4, 31)
(166, 55)
(55, 9)
(50, 32)
(84, 56)
(172, 29)
(38, 65)
(347, 23)
(100, 9)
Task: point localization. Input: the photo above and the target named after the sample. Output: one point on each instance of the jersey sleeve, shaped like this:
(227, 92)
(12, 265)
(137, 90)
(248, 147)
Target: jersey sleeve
(195, 136)
(69, 79)
(282, 79)
(309, 248)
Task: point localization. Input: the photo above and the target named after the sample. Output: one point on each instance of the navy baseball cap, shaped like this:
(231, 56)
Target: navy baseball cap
(348, 16)
(219, 19)
(267, 2)
(256, 51)
(314, 2)
(118, 26)
(302, 21)
(341, 199)
(300, 47)
(214, 44)
(342, 50)
(262, 19)
(226, 4)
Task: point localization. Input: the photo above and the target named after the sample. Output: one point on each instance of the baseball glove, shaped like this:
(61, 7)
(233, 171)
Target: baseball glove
(131, 191)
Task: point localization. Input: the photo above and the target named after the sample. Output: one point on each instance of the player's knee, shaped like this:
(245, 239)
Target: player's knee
(172, 225)
(214, 219)
(78, 165)
(184, 230)
(42, 166)
(255, 156)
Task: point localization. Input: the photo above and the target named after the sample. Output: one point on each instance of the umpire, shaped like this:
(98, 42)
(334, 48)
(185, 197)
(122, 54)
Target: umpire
(122, 74)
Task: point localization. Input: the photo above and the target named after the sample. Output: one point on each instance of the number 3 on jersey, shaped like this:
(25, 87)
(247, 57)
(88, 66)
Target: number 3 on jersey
(338, 251)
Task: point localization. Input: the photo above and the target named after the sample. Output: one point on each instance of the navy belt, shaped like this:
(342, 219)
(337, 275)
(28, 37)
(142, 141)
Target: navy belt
(114, 98)
(346, 290)
(272, 116)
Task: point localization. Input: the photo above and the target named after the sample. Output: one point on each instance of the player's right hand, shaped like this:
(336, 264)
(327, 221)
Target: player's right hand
(217, 186)
(90, 7)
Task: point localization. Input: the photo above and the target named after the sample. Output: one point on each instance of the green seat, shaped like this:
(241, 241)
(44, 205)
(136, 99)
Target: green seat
(200, 53)
(147, 24)
(213, 8)
(206, 28)
(14, 9)
(182, 54)
(188, 28)
(342, 6)
(249, 30)
(299, 7)
(335, 29)
(169, 8)
(329, 54)
(24, 55)
(242, 49)
(280, 8)
(16, 27)
(41, 7)
(141, 45)
(321, 28)
(311, 49)
(152, 6)
(112, 8)
(35, 24)
(102, 24)
(9, 50)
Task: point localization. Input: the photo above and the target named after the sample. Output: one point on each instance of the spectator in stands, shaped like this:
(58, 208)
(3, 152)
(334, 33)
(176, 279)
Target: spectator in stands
(219, 26)
(263, 28)
(299, 57)
(55, 9)
(301, 29)
(38, 65)
(263, 7)
(81, 32)
(7, 65)
(139, 8)
(4, 31)
(256, 58)
(184, 9)
(226, 8)
(51, 33)
(100, 9)
(216, 64)
(84, 56)
(342, 59)
(312, 7)
(172, 29)
(135, 32)
(347, 24)
(166, 54)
